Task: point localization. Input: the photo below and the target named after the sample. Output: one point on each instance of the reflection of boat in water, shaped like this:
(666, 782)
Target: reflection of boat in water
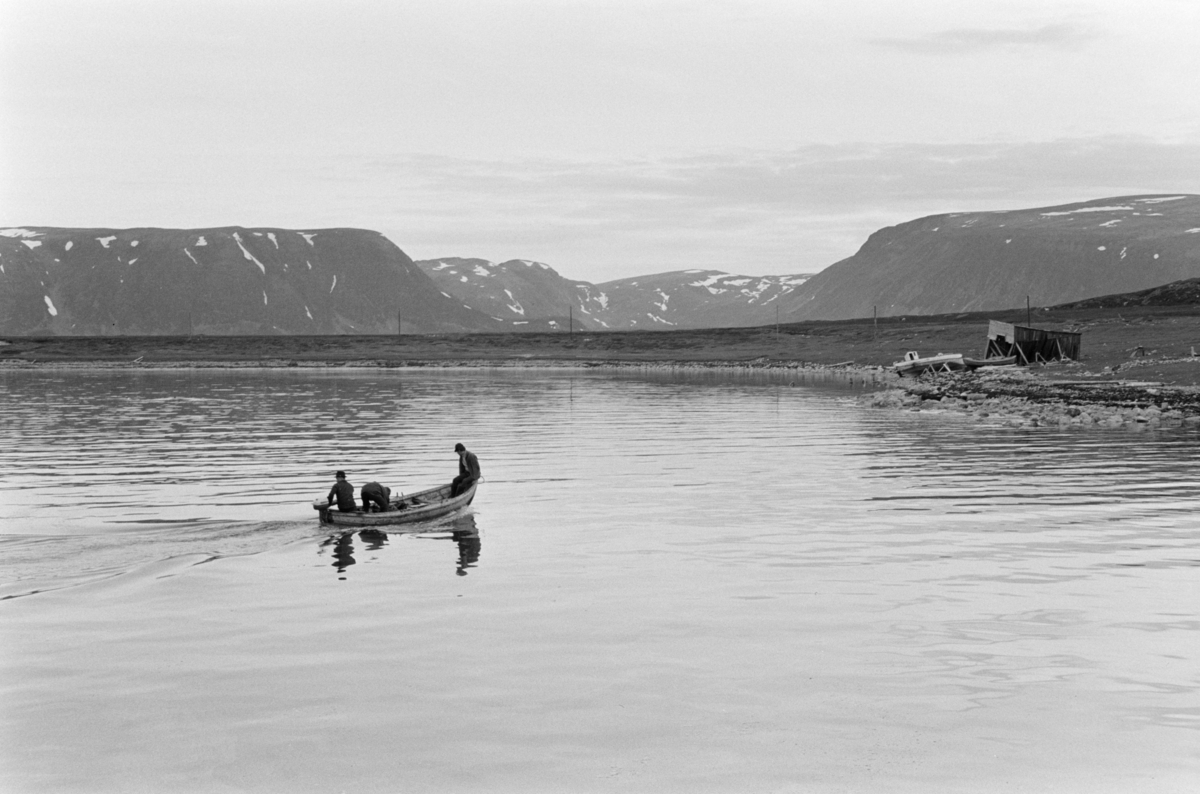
(913, 364)
(461, 530)
(421, 506)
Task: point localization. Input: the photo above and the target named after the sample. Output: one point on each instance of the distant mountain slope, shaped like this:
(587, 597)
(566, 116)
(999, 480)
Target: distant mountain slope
(697, 299)
(522, 291)
(992, 260)
(1177, 293)
(528, 295)
(229, 280)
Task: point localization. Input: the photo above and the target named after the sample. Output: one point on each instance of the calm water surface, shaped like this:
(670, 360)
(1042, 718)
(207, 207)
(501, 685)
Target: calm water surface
(690, 584)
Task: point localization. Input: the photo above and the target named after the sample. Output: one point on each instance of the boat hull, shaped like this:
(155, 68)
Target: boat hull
(411, 509)
(976, 363)
(950, 362)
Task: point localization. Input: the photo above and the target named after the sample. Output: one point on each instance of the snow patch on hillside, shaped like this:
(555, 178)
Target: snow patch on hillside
(105, 241)
(334, 284)
(1118, 208)
(249, 255)
(480, 270)
(1110, 224)
(32, 243)
(309, 238)
(516, 304)
(189, 256)
(201, 241)
(709, 282)
(1160, 199)
(50, 306)
(18, 232)
(271, 237)
(67, 247)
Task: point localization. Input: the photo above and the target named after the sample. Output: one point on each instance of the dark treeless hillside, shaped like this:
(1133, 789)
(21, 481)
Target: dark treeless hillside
(975, 261)
(228, 280)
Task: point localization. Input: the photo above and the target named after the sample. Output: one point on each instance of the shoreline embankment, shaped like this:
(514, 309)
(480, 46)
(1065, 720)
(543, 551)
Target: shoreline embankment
(1017, 397)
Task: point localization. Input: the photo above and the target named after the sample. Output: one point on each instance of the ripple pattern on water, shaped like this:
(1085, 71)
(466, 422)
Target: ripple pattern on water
(692, 577)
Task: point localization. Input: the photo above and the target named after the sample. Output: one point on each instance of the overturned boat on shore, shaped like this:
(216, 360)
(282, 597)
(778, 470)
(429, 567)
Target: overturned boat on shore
(914, 364)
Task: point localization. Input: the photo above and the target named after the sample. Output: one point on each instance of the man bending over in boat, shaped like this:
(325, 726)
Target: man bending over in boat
(343, 493)
(374, 493)
(468, 471)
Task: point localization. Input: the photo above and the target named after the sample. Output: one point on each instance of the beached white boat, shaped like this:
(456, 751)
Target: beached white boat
(421, 506)
(914, 364)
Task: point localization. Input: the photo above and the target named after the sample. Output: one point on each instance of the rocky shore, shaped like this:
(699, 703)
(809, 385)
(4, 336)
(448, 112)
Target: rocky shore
(1018, 397)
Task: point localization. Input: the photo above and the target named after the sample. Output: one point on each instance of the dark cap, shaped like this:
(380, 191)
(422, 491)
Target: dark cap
(459, 448)
(341, 474)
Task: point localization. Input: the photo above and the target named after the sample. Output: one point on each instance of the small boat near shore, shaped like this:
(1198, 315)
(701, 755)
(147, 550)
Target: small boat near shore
(976, 363)
(421, 506)
(914, 364)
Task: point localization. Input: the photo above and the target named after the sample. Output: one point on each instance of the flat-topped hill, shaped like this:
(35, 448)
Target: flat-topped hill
(974, 261)
(228, 280)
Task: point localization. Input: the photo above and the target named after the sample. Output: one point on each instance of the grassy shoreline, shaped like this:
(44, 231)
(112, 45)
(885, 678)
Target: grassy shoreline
(1147, 348)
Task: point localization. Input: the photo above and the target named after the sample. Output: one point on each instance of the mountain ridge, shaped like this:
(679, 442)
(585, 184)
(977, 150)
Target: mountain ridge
(217, 280)
(520, 290)
(975, 261)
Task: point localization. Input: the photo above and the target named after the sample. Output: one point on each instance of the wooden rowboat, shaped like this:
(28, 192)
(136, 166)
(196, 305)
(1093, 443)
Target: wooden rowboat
(421, 506)
(976, 363)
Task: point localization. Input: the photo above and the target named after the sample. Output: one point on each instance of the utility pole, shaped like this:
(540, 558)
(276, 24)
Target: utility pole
(776, 319)
(1028, 320)
(875, 322)
(571, 319)
(399, 323)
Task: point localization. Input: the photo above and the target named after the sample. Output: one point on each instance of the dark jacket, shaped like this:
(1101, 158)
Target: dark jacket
(376, 492)
(343, 493)
(469, 464)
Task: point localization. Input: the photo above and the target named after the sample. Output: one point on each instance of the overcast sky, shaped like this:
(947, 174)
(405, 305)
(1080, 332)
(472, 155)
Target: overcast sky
(607, 139)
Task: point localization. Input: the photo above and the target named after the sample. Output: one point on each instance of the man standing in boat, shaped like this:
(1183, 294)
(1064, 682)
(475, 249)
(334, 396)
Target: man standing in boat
(343, 493)
(468, 471)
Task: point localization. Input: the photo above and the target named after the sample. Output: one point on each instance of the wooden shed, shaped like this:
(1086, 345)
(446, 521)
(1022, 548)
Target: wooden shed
(1030, 345)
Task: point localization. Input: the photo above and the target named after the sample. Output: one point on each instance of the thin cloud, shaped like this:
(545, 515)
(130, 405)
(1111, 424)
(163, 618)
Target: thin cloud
(969, 40)
(745, 211)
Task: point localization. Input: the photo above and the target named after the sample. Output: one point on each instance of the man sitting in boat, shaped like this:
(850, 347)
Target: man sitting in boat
(343, 493)
(375, 494)
(468, 471)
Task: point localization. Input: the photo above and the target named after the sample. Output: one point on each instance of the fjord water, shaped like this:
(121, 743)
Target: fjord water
(667, 583)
